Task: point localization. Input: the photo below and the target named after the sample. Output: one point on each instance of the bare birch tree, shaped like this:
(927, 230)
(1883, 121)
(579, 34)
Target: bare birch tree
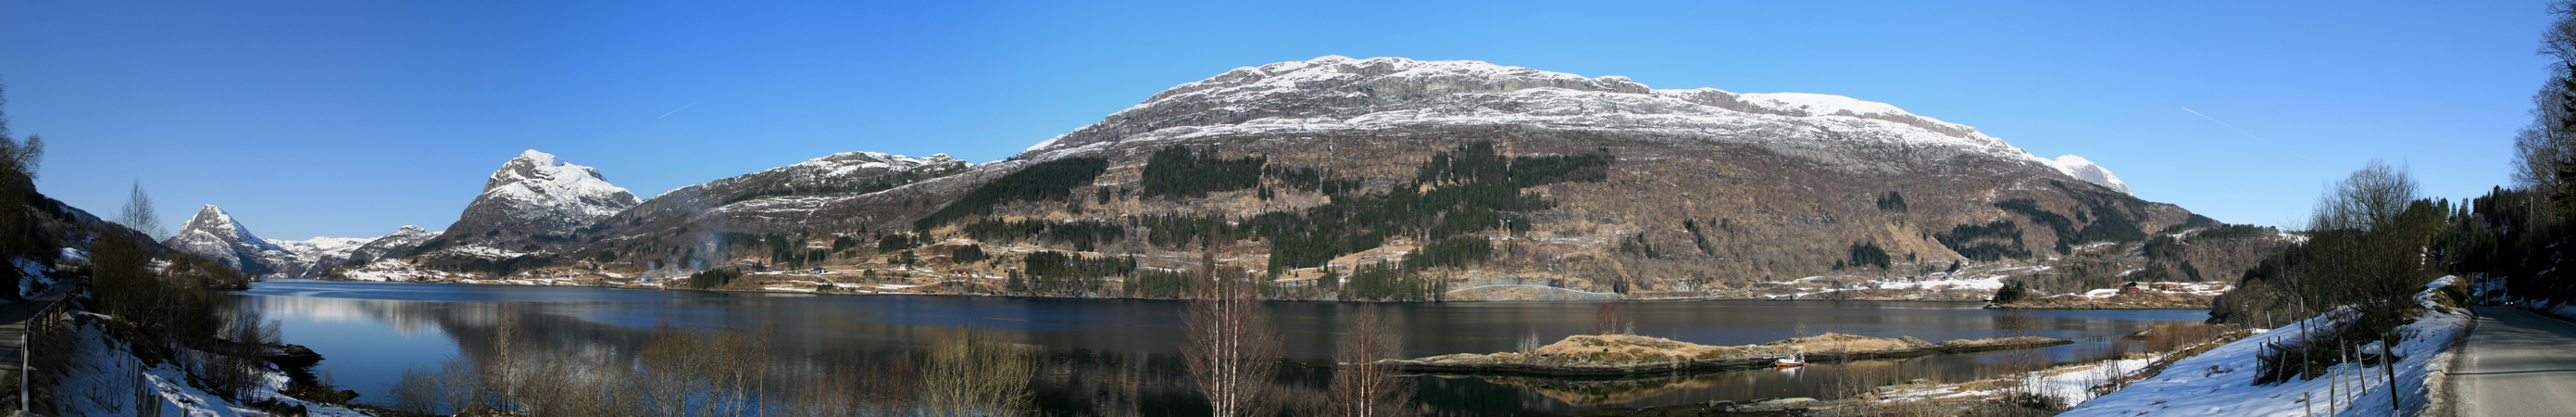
(1232, 348)
(971, 374)
(1362, 386)
(138, 214)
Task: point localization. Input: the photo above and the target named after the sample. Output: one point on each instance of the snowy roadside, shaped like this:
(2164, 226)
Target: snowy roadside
(2068, 384)
(2221, 382)
(104, 378)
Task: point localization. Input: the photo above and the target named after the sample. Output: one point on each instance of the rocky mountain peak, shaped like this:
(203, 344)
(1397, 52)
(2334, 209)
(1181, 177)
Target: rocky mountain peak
(535, 194)
(539, 185)
(214, 234)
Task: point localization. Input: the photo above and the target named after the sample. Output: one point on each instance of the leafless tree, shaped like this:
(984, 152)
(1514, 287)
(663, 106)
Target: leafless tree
(2546, 149)
(972, 374)
(1610, 318)
(138, 214)
(1363, 386)
(1233, 348)
(2367, 240)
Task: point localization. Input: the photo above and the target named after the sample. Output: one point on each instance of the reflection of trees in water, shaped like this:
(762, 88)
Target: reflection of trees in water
(408, 322)
(1576, 394)
(1115, 384)
(1118, 358)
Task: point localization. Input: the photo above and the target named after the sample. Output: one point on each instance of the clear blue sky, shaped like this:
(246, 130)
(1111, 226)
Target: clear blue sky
(344, 118)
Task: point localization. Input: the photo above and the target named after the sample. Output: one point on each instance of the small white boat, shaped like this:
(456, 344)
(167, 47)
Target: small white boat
(1791, 361)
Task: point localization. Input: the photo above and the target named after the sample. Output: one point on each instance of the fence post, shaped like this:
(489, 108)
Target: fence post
(2388, 358)
(22, 374)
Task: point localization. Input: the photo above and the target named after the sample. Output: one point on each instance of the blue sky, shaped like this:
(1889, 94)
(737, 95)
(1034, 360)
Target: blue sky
(353, 118)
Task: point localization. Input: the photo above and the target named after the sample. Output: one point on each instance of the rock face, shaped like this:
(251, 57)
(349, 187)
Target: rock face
(215, 235)
(533, 203)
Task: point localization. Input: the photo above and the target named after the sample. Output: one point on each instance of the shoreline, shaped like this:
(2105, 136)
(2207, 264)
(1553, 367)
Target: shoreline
(1989, 305)
(1621, 355)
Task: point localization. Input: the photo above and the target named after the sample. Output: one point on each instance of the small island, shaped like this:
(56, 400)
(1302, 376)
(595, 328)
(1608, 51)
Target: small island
(1618, 354)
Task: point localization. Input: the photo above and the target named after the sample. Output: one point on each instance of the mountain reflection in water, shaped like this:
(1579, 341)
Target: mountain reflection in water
(1121, 357)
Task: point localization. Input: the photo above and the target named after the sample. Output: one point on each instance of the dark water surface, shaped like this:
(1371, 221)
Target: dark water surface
(370, 332)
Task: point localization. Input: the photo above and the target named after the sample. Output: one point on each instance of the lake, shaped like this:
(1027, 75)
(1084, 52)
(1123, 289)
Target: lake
(1122, 356)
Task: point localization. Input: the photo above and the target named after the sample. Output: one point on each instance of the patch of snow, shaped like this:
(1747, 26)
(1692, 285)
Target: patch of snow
(2085, 169)
(2221, 381)
(538, 183)
(100, 364)
(1335, 94)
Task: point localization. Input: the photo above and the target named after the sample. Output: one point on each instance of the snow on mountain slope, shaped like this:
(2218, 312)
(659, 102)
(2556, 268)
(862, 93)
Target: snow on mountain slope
(534, 196)
(321, 246)
(1340, 94)
(2084, 169)
(401, 240)
(313, 256)
(538, 184)
(317, 256)
(214, 234)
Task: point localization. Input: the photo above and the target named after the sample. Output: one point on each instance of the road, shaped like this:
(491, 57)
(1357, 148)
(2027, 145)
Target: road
(2517, 363)
(13, 325)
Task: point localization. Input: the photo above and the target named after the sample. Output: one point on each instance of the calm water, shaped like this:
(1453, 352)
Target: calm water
(370, 332)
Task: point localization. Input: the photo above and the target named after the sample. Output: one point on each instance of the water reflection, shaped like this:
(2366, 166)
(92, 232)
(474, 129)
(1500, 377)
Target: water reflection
(1120, 357)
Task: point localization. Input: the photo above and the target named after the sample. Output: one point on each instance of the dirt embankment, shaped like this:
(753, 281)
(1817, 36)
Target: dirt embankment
(1604, 355)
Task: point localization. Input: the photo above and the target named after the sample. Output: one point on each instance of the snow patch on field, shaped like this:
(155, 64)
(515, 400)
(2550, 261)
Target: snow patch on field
(2069, 384)
(2221, 382)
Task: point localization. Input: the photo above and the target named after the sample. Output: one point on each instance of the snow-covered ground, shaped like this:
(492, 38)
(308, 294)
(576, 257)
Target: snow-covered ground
(2221, 382)
(102, 377)
(2205, 289)
(2069, 384)
(1937, 282)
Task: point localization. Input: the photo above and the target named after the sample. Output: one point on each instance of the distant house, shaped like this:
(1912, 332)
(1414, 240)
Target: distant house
(2130, 288)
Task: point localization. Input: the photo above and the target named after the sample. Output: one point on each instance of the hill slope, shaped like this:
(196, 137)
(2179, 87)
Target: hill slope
(1407, 179)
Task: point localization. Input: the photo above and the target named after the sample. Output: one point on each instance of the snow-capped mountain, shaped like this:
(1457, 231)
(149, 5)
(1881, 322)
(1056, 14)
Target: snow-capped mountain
(534, 195)
(1339, 94)
(316, 255)
(214, 234)
(807, 185)
(2084, 169)
(1704, 189)
(400, 241)
(538, 188)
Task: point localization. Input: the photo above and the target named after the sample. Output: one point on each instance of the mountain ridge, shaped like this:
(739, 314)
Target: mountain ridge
(1634, 190)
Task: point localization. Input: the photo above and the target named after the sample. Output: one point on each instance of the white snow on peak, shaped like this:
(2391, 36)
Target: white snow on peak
(2085, 169)
(1820, 104)
(1340, 94)
(1044, 144)
(537, 180)
(213, 225)
(322, 246)
(214, 234)
(845, 163)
